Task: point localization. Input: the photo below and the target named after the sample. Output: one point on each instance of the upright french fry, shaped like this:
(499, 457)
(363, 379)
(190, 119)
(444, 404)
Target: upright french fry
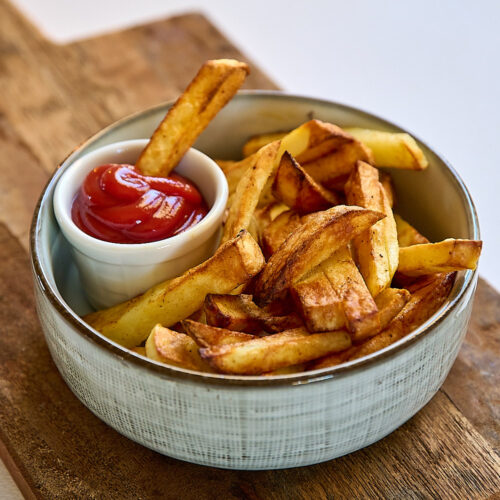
(443, 257)
(421, 306)
(311, 243)
(129, 323)
(274, 352)
(240, 313)
(407, 234)
(359, 309)
(297, 189)
(173, 348)
(206, 335)
(249, 190)
(258, 141)
(397, 150)
(279, 230)
(214, 85)
(318, 303)
(376, 249)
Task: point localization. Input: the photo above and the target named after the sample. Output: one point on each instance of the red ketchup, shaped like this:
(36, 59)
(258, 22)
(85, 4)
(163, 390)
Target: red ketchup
(116, 203)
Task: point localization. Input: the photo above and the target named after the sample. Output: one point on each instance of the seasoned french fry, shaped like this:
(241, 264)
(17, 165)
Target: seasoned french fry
(240, 313)
(359, 309)
(206, 335)
(249, 190)
(397, 150)
(337, 358)
(297, 189)
(258, 141)
(407, 234)
(266, 214)
(443, 257)
(376, 249)
(174, 348)
(130, 323)
(319, 304)
(279, 230)
(311, 243)
(214, 85)
(421, 306)
(275, 351)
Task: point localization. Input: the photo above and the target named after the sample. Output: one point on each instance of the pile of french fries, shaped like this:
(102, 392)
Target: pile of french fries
(314, 268)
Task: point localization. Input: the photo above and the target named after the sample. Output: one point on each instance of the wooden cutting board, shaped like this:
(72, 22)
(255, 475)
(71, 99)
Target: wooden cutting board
(51, 99)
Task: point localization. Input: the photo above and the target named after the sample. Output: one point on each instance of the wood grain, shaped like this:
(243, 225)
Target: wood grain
(53, 97)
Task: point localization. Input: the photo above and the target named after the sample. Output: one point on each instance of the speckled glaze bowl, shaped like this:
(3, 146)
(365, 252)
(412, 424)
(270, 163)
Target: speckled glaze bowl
(256, 422)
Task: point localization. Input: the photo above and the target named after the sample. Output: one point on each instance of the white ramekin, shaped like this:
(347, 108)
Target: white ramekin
(113, 272)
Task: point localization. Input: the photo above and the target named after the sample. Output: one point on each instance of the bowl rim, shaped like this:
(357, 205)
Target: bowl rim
(171, 372)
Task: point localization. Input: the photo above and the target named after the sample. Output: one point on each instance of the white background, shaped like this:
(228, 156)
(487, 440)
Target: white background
(430, 66)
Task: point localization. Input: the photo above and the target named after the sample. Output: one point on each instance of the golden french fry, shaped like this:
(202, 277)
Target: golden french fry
(139, 350)
(249, 190)
(258, 141)
(278, 230)
(359, 309)
(297, 189)
(407, 234)
(422, 305)
(376, 249)
(306, 143)
(129, 323)
(266, 214)
(332, 169)
(311, 243)
(318, 303)
(207, 335)
(397, 150)
(214, 85)
(443, 257)
(240, 313)
(275, 351)
(386, 181)
(174, 348)
(337, 358)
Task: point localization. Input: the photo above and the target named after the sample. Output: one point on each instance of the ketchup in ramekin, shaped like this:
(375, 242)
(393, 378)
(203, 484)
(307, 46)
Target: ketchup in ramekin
(116, 203)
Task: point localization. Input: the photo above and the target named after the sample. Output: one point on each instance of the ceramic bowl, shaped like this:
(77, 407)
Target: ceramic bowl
(256, 422)
(110, 272)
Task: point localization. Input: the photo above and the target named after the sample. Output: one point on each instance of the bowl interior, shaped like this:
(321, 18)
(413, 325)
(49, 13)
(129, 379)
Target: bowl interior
(434, 201)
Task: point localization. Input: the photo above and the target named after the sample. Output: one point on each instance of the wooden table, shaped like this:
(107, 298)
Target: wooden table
(51, 99)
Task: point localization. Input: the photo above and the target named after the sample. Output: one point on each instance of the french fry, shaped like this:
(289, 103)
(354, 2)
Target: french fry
(206, 335)
(297, 189)
(249, 190)
(174, 348)
(386, 181)
(318, 303)
(214, 85)
(407, 234)
(443, 257)
(332, 169)
(360, 311)
(258, 141)
(129, 323)
(266, 214)
(397, 150)
(275, 351)
(389, 302)
(278, 231)
(306, 143)
(139, 350)
(240, 313)
(376, 249)
(422, 305)
(310, 244)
